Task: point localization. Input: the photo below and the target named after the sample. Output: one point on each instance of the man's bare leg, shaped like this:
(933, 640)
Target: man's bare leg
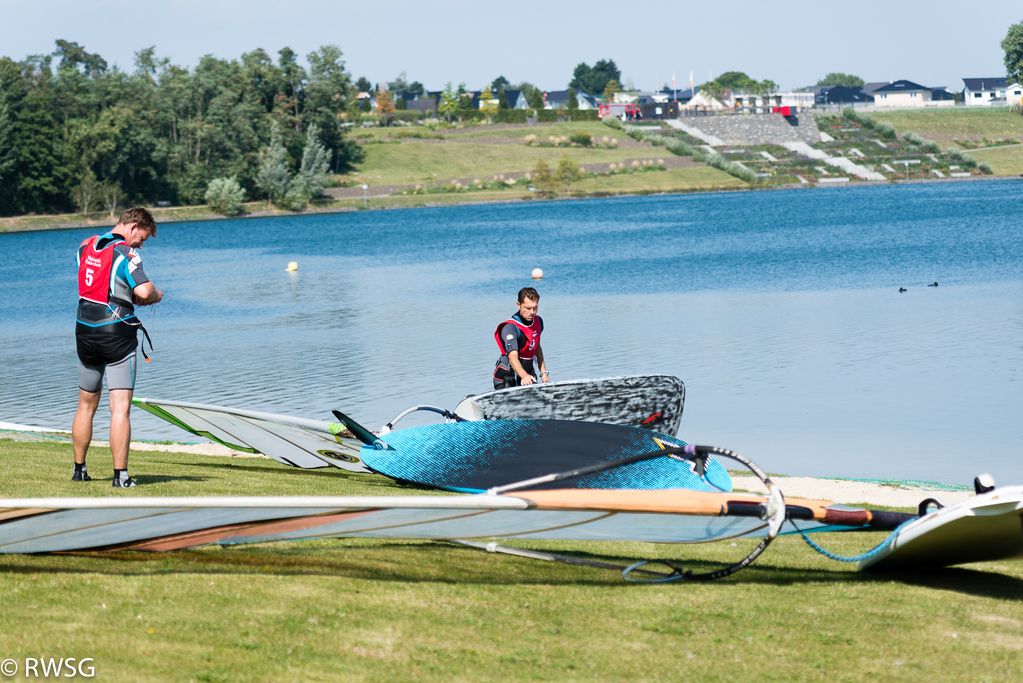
(120, 426)
(81, 429)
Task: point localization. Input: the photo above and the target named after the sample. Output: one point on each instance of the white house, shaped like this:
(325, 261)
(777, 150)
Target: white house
(981, 92)
(907, 94)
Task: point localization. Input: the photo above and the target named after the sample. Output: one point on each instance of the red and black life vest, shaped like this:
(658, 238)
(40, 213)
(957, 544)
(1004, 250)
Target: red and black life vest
(95, 270)
(531, 332)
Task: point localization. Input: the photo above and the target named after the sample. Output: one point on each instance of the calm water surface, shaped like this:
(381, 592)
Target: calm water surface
(779, 310)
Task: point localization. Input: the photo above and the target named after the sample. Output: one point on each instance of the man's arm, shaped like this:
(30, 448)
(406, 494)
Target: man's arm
(148, 294)
(516, 366)
(543, 366)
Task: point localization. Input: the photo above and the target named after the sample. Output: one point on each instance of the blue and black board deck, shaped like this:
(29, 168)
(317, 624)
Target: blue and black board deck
(476, 456)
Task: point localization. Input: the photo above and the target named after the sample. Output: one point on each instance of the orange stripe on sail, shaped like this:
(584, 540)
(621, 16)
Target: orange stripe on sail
(663, 501)
(212, 535)
(13, 513)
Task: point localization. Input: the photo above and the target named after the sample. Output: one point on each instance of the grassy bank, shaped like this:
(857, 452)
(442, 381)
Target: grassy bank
(955, 121)
(674, 180)
(1004, 161)
(420, 162)
(594, 128)
(365, 610)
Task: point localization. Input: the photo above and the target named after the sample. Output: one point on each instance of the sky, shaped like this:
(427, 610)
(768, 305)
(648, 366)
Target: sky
(931, 42)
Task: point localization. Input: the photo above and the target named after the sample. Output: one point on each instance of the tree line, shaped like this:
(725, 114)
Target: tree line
(71, 126)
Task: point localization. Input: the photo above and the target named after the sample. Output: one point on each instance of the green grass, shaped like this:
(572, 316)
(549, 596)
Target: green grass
(1004, 161)
(957, 121)
(672, 180)
(368, 610)
(594, 128)
(417, 162)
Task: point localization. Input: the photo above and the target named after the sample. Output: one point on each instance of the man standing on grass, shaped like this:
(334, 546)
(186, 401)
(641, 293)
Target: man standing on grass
(110, 283)
(518, 338)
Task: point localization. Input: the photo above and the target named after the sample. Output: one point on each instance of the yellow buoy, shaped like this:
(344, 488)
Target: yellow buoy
(537, 274)
(292, 266)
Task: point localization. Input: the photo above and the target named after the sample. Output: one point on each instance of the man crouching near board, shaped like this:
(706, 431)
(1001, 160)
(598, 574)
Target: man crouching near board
(518, 338)
(111, 283)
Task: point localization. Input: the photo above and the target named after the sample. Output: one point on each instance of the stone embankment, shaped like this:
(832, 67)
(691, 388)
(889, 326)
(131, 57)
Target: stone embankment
(752, 129)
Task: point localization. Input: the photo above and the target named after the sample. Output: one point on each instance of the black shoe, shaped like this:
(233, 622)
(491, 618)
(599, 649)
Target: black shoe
(81, 475)
(126, 483)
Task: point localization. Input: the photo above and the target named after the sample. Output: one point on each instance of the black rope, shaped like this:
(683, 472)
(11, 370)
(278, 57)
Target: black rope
(774, 518)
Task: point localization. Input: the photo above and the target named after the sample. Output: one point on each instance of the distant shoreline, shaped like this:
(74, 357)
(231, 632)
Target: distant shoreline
(63, 224)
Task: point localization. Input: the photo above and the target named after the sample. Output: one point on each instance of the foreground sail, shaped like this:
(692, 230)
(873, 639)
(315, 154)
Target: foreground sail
(984, 528)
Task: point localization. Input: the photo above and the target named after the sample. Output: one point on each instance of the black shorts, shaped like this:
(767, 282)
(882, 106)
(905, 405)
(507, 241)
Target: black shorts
(103, 348)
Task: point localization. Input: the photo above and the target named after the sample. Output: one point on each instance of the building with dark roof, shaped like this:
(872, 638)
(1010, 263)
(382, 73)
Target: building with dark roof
(907, 95)
(558, 99)
(840, 94)
(869, 88)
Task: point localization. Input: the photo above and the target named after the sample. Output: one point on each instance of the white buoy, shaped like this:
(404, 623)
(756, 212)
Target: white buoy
(292, 266)
(537, 274)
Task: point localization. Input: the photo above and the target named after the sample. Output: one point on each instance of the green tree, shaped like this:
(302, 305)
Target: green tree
(488, 104)
(112, 196)
(581, 76)
(1013, 46)
(573, 101)
(544, 181)
(7, 157)
(448, 105)
(274, 175)
(594, 80)
(294, 77)
(567, 172)
(500, 83)
(315, 164)
(464, 101)
(838, 78)
(85, 193)
(735, 80)
(363, 85)
(610, 89)
(225, 196)
(399, 86)
(502, 101)
(536, 99)
(330, 96)
(160, 131)
(713, 89)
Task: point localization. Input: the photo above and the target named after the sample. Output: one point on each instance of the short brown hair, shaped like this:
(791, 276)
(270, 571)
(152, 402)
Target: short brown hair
(528, 293)
(143, 218)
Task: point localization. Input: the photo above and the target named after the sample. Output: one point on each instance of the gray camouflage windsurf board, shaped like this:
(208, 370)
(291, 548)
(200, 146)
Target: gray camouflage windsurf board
(648, 401)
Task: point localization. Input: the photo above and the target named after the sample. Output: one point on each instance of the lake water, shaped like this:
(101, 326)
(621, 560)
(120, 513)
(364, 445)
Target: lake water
(779, 310)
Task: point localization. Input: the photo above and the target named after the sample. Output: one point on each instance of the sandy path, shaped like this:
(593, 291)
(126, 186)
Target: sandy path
(850, 492)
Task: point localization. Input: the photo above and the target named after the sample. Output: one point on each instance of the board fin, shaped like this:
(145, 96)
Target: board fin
(361, 433)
